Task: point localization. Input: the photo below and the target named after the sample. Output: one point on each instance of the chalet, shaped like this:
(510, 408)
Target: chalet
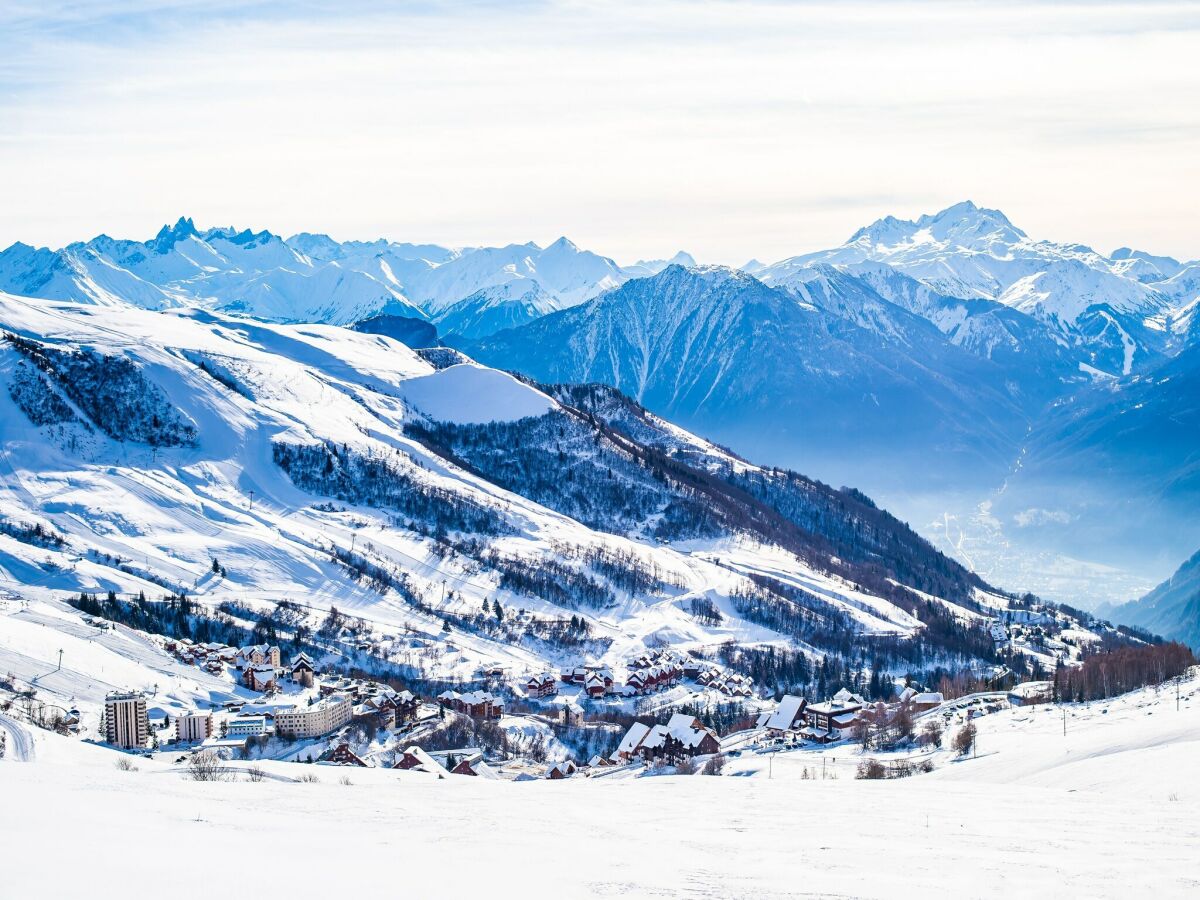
(543, 685)
(255, 655)
(594, 686)
(476, 704)
(303, 672)
(340, 685)
(407, 706)
(584, 674)
(562, 770)
(342, 755)
(260, 677)
(476, 767)
(628, 748)
(926, 701)
(1029, 693)
(683, 735)
(417, 760)
(789, 716)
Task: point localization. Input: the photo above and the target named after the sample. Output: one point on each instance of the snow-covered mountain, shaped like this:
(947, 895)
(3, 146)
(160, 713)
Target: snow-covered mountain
(951, 352)
(332, 467)
(716, 348)
(1172, 609)
(1108, 310)
(306, 278)
(496, 308)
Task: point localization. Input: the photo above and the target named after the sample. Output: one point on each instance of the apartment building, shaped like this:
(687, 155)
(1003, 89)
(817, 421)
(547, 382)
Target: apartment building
(125, 722)
(193, 726)
(314, 721)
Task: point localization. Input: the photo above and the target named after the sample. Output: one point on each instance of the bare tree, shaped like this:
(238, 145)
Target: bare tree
(715, 765)
(125, 764)
(255, 774)
(206, 765)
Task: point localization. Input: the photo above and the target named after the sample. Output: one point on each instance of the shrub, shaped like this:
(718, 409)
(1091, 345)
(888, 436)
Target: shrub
(964, 740)
(871, 769)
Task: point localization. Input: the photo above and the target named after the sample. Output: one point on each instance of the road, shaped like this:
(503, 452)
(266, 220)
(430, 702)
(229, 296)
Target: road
(20, 741)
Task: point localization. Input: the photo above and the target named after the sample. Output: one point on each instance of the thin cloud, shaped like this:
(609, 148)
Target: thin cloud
(732, 130)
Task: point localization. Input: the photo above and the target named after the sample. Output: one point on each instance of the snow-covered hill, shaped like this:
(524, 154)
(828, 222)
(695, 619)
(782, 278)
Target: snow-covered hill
(141, 446)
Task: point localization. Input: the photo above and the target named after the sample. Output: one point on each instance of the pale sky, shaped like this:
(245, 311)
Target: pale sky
(731, 130)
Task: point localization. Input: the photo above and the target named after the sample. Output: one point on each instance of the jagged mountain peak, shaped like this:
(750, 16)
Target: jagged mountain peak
(169, 235)
(961, 224)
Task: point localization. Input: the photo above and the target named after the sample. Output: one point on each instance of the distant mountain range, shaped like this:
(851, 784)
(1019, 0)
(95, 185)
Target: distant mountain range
(1030, 406)
(1172, 609)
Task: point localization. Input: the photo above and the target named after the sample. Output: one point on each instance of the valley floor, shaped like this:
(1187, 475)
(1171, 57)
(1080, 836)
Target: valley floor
(1112, 809)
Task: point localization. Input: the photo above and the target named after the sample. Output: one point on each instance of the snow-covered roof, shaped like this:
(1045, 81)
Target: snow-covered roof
(483, 770)
(785, 714)
(426, 763)
(633, 737)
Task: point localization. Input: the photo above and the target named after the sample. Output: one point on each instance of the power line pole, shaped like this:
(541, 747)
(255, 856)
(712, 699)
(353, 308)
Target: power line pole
(251, 493)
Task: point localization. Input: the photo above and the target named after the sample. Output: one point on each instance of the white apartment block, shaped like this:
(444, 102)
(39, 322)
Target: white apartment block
(125, 722)
(193, 726)
(314, 721)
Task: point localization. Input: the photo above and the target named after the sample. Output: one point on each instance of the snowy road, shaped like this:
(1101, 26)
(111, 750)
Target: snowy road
(20, 741)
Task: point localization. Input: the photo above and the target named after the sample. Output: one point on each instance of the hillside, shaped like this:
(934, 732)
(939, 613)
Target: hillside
(329, 467)
(1015, 363)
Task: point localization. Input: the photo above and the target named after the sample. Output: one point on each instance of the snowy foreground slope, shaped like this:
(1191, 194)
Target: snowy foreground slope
(1110, 810)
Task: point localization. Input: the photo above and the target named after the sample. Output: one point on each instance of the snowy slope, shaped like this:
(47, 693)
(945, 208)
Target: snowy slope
(137, 517)
(1032, 815)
